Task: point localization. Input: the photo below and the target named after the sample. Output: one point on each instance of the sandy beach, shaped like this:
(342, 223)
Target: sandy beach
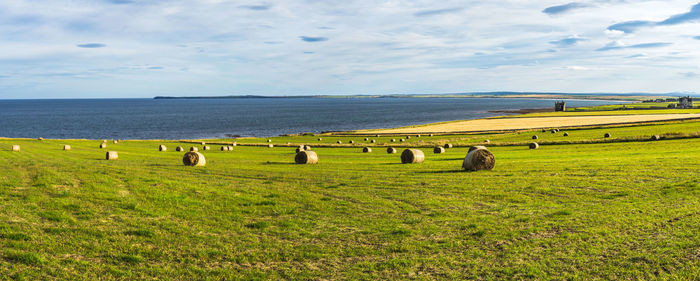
(502, 124)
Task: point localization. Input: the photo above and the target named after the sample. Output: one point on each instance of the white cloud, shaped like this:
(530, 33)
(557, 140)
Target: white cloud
(217, 47)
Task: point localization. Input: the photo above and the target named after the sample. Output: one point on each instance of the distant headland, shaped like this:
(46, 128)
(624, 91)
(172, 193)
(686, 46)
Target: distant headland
(528, 95)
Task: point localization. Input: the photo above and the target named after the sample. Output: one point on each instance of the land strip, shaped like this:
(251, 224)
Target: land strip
(503, 124)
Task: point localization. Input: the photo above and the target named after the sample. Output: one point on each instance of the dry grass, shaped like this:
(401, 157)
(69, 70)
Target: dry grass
(111, 155)
(306, 157)
(479, 159)
(412, 156)
(194, 158)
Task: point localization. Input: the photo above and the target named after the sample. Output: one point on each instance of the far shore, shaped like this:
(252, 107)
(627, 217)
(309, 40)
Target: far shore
(513, 95)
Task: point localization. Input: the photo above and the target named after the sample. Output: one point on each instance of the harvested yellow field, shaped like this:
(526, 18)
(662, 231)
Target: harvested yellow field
(501, 124)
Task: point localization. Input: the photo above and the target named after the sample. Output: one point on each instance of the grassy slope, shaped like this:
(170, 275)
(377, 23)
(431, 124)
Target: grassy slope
(593, 211)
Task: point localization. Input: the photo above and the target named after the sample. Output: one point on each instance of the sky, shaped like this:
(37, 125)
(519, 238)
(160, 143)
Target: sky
(145, 48)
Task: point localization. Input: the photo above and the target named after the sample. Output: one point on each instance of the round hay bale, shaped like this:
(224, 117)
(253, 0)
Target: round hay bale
(373, 141)
(366, 139)
(320, 139)
(393, 140)
(655, 137)
(390, 150)
(566, 134)
(534, 145)
(411, 156)
(553, 131)
(401, 140)
(535, 137)
(15, 147)
(66, 147)
(408, 137)
(607, 135)
(376, 136)
(224, 148)
(230, 148)
(104, 141)
(418, 136)
(203, 143)
(269, 140)
(472, 148)
(479, 159)
(448, 145)
(438, 150)
(351, 142)
(543, 130)
(234, 144)
(162, 148)
(40, 138)
(306, 157)
(339, 142)
(430, 135)
(366, 150)
(194, 158)
(179, 149)
(300, 148)
(206, 147)
(194, 149)
(112, 155)
(270, 145)
(487, 141)
(115, 141)
(307, 147)
(103, 145)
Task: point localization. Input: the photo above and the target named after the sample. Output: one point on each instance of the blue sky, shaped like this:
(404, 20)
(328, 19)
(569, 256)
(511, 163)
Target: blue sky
(135, 48)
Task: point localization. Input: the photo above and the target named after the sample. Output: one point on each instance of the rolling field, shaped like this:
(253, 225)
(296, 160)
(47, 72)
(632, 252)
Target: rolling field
(598, 211)
(641, 132)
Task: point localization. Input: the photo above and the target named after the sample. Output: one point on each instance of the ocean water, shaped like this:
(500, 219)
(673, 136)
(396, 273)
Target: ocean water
(221, 118)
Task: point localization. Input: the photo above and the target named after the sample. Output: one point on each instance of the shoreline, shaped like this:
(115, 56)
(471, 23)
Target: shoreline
(493, 113)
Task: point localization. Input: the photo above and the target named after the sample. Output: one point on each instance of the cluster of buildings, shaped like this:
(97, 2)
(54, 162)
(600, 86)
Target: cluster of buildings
(683, 102)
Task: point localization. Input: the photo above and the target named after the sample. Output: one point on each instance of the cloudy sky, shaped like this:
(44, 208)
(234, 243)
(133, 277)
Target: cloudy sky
(143, 48)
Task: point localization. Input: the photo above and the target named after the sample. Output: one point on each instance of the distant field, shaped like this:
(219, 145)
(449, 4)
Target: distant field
(606, 113)
(612, 110)
(600, 211)
(499, 124)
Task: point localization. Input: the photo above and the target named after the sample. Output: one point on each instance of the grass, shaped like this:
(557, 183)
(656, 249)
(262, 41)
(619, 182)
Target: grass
(603, 211)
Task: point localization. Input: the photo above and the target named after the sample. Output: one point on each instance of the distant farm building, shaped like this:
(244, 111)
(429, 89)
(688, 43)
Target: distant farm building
(685, 102)
(560, 106)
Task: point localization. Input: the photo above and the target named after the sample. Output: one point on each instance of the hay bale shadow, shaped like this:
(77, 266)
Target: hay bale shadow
(162, 165)
(278, 163)
(443, 172)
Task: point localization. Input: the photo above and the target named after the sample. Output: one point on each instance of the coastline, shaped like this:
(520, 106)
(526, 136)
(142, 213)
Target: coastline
(622, 97)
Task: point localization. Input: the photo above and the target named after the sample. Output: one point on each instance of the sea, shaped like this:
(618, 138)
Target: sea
(240, 117)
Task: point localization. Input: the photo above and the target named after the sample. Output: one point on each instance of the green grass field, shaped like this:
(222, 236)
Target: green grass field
(598, 211)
